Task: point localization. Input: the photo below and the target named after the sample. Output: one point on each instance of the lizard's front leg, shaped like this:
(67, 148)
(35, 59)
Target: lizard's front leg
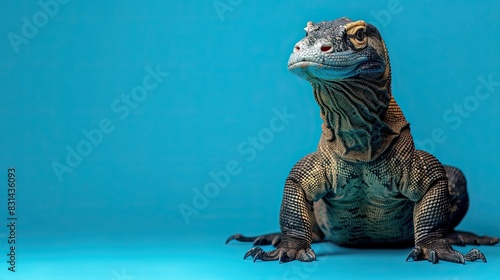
(296, 228)
(304, 184)
(432, 217)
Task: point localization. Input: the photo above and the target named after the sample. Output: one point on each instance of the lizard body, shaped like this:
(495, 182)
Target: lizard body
(366, 185)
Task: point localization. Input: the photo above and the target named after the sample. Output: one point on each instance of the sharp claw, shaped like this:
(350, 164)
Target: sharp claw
(283, 257)
(413, 254)
(230, 238)
(482, 257)
(252, 252)
(280, 257)
(308, 256)
(433, 257)
(312, 254)
(410, 255)
(257, 255)
(246, 255)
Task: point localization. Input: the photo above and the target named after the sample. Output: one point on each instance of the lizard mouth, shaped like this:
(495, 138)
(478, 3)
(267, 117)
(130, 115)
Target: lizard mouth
(305, 64)
(306, 67)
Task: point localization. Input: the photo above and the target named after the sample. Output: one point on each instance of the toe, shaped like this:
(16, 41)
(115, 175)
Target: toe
(433, 257)
(284, 258)
(252, 252)
(415, 254)
(308, 256)
(474, 255)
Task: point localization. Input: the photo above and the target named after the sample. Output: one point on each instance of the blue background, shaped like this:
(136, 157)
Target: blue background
(117, 215)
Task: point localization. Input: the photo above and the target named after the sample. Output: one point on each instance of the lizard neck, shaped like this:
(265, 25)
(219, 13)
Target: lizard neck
(354, 113)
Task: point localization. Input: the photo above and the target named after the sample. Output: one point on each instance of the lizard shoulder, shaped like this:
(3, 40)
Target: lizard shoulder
(310, 173)
(425, 170)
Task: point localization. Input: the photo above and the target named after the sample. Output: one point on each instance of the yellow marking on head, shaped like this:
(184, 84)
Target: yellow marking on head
(356, 33)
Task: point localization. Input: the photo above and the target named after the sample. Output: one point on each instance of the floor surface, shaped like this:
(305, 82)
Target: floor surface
(215, 260)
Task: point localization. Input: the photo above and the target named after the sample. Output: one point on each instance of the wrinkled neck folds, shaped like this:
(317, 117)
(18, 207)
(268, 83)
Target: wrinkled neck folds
(354, 115)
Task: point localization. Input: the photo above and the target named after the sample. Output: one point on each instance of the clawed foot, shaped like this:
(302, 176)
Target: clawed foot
(281, 254)
(267, 239)
(441, 250)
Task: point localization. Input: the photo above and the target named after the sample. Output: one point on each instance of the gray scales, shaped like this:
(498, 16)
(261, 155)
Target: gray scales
(366, 185)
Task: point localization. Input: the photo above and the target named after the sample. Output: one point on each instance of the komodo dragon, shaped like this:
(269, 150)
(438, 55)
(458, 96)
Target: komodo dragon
(366, 185)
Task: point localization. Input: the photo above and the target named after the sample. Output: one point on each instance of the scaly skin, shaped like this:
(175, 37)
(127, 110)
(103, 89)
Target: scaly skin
(366, 185)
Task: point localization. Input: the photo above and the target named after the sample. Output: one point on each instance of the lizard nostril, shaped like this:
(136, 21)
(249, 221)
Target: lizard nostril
(328, 47)
(296, 48)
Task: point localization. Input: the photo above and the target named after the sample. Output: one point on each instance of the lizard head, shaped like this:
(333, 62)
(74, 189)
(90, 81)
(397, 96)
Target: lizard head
(340, 49)
(347, 64)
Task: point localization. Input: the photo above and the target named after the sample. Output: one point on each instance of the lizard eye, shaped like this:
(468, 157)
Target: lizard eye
(357, 35)
(360, 35)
